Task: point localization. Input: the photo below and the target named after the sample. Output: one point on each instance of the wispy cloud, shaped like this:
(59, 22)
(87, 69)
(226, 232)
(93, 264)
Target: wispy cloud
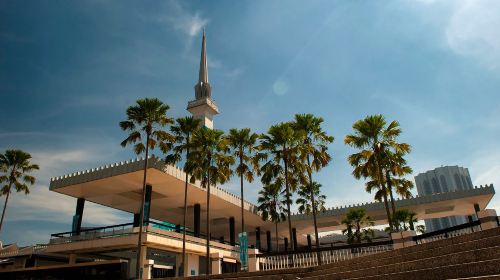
(182, 20)
(44, 205)
(473, 31)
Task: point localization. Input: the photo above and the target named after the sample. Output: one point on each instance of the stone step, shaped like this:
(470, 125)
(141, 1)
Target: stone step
(364, 262)
(487, 277)
(436, 261)
(489, 238)
(476, 243)
(489, 268)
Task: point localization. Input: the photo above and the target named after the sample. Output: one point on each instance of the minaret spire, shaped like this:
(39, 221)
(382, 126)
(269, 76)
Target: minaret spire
(203, 107)
(203, 78)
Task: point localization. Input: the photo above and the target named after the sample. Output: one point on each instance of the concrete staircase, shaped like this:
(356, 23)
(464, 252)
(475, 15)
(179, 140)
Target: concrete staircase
(471, 256)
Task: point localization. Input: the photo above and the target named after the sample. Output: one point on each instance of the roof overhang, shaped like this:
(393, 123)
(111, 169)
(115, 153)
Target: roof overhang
(119, 186)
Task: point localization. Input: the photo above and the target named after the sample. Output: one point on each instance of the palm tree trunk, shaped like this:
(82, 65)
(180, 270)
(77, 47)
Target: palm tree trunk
(138, 269)
(5, 206)
(384, 192)
(389, 186)
(185, 215)
(208, 222)
(386, 204)
(316, 235)
(289, 213)
(277, 238)
(242, 199)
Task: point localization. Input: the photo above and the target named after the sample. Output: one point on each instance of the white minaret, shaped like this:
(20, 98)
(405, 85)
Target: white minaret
(203, 107)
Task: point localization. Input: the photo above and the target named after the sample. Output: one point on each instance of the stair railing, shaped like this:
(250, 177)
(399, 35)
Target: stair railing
(308, 258)
(445, 233)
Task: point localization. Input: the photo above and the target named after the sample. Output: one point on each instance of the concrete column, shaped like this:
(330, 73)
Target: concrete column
(257, 238)
(232, 239)
(148, 267)
(137, 217)
(253, 261)
(269, 241)
(294, 236)
(488, 218)
(216, 260)
(145, 263)
(191, 268)
(72, 259)
(147, 203)
(197, 219)
(77, 218)
(403, 239)
(309, 242)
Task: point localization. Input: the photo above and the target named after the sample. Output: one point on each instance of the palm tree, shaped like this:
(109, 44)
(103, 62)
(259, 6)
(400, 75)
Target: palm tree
(281, 144)
(395, 167)
(405, 219)
(243, 145)
(271, 206)
(183, 130)
(305, 198)
(16, 165)
(373, 137)
(148, 117)
(355, 221)
(314, 154)
(209, 162)
(402, 187)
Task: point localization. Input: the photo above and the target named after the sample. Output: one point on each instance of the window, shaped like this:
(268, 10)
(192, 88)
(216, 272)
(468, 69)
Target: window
(464, 183)
(458, 182)
(435, 185)
(444, 184)
(427, 187)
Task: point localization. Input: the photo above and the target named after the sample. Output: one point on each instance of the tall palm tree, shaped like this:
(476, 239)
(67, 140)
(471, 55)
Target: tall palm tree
(183, 130)
(146, 119)
(281, 145)
(356, 222)
(210, 163)
(16, 165)
(271, 205)
(305, 197)
(373, 137)
(314, 153)
(243, 144)
(394, 166)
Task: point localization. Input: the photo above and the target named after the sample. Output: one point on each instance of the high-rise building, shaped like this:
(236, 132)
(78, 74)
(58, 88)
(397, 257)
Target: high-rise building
(439, 180)
(203, 107)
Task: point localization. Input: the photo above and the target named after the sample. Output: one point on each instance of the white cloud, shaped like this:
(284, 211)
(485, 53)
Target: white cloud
(180, 19)
(44, 205)
(189, 24)
(473, 30)
(485, 169)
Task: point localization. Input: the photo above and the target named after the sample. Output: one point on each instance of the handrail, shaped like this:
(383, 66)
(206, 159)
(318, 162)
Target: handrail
(321, 249)
(90, 229)
(189, 233)
(447, 230)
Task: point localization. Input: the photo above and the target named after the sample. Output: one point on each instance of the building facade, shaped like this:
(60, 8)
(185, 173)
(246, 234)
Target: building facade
(441, 180)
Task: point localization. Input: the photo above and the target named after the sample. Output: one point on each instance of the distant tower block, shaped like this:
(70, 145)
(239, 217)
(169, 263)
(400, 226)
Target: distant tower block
(203, 107)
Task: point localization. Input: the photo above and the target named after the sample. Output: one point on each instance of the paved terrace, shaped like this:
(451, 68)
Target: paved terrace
(119, 186)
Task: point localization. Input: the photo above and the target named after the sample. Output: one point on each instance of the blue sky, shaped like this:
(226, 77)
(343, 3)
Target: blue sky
(69, 69)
